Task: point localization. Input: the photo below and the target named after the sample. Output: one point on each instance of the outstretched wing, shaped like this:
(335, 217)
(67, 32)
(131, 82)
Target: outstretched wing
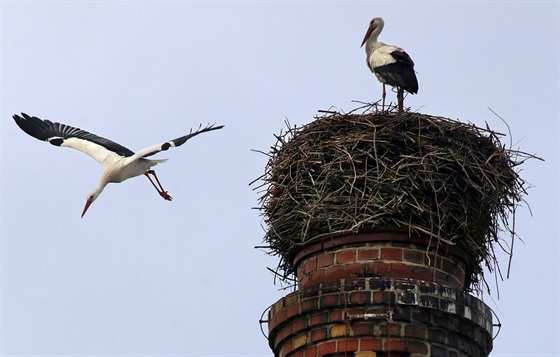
(154, 149)
(65, 135)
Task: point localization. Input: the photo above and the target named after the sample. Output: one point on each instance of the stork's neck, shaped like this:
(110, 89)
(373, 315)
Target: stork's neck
(372, 44)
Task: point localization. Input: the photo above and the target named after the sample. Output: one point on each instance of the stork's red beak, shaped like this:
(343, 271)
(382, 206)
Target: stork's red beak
(367, 35)
(88, 203)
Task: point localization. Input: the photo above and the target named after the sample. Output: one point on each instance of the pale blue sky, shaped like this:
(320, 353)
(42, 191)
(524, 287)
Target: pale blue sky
(142, 276)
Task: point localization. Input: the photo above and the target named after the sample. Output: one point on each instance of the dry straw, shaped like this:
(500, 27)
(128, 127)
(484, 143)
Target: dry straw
(391, 171)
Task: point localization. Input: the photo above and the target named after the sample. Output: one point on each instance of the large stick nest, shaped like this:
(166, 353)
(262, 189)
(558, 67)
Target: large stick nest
(386, 171)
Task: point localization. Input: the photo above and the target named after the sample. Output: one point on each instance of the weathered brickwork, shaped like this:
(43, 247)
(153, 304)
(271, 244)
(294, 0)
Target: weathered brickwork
(369, 298)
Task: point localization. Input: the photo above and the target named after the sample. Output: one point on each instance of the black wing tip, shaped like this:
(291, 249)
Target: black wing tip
(208, 127)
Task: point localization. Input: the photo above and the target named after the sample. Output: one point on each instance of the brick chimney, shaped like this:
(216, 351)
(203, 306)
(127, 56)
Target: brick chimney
(379, 294)
(386, 219)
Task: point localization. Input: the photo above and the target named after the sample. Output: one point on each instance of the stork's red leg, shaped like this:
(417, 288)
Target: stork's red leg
(160, 190)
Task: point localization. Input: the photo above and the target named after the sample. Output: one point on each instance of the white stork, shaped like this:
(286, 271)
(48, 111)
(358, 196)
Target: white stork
(390, 64)
(119, 163)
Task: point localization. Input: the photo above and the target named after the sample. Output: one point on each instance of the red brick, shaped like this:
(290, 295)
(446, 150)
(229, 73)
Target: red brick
(336, 315)
(300, 324)
(378, 296)
(310, 265)
(362, 329)
(309, 304)
(394, 345)
(319, 334)
(325, 259)
(326, 348)
(310, 352)
(317, 276)
(347, 345)
(293, 310)
(287, 348)
(349, 270)
(346, 256)
(368, 254)
(336, 272)
(391, 253)
(297, 354)
(360, 297)
(329, 301)
(319, 319)
(370, 345)
(300, 270)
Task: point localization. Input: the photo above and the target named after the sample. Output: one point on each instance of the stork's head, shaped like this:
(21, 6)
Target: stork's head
(375, 26)
(92, 196)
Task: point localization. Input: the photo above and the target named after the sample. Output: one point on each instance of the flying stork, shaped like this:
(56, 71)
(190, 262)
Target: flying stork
(119, 163)
(390, 64)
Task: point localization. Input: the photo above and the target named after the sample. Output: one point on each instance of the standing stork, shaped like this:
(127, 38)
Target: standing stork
(390, 64)
(119, 163)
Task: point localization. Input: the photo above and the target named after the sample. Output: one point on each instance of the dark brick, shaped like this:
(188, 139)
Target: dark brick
(407, 298)
(390, 329)
(436, 335)
(405, 286)
(354, 284)
(401, 314)
(438, 351)
(428, 301)
(413, 256)
(379, 284)
(416, 347)
(423, 316)
(427, 288)
(443, 320)
(331, 286)
(415, 331)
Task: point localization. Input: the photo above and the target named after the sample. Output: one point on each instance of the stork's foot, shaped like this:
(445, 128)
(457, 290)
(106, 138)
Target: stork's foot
(158, 188)
(165, 195)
